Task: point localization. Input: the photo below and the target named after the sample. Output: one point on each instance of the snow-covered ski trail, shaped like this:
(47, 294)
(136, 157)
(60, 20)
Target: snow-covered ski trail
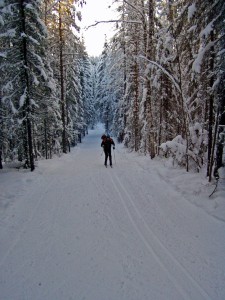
(177, 274)
(74, 229)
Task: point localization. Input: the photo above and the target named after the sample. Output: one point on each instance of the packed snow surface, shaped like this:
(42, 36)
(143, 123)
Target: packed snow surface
(143, 230)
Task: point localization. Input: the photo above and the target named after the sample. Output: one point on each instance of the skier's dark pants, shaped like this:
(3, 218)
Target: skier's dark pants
(108, 154)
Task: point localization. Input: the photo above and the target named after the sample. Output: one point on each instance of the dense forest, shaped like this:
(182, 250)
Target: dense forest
(158, 86)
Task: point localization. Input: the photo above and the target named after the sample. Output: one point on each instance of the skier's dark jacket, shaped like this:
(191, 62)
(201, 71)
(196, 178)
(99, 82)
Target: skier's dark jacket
(107, 142)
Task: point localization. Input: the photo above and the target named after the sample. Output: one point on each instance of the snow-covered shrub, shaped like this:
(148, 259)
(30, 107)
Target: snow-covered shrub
(192, 153)
(127, 138)
(220, 153)
(175, 149)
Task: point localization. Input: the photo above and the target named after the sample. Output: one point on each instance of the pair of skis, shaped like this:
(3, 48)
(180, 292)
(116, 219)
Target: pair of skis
(106, 166)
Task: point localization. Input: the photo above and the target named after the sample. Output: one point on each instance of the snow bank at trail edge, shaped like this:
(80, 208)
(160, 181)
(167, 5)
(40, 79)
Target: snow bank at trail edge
(196, 189)
(193, 186)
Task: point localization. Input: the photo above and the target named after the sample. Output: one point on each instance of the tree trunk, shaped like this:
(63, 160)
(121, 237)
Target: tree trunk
(136, 103)
(64, 144)
(150, 56)
(46, 141)
(1, 167)
(124, 69)
(211, 102)
(27, 108)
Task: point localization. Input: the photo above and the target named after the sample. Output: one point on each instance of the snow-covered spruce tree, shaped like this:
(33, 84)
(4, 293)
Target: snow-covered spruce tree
(87, 99)
(73, 97)
(175, 61)
(79, 93)
(133, 39)
(175, 55)
(169, 117)
(62, 19)
(48, 113)
(110, 87)
(6, 122)
(199, 75)
(116, 89)
(220, 91)
(112, 91)
(23, 35)
(102, 96)
(119, 79)
(210, 61)
(193, 68)
(93, 91)
(148, 131)
(74, 90)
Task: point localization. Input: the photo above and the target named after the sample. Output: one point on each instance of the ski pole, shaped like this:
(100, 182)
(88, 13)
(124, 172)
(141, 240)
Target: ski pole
(114, 156)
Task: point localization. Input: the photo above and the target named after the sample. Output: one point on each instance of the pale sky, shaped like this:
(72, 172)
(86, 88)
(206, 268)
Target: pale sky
(96, 10)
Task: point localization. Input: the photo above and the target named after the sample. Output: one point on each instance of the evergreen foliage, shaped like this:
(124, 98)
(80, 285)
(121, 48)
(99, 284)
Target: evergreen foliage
(46, 102)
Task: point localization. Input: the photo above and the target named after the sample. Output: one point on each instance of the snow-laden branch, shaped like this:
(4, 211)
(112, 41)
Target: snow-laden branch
(198, 61)
(3, 54)
(112, 21)
(165, 72)
(9, 33)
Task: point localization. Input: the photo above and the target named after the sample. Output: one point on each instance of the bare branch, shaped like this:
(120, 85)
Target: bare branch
(111, 21)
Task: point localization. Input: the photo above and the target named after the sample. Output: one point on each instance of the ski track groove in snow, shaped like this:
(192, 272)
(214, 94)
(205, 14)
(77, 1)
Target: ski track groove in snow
(146, 234)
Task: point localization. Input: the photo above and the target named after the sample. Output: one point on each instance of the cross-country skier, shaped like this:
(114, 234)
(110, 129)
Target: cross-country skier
(107, 142)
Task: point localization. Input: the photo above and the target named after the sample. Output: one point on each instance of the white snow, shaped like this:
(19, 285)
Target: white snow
(23, 97)
(216, 83)
(73, 229)
(3, 54)
(29, 6)
(192, 28)
(1, 19)
(221, 52)
(207, 30)
(199, 58)
(2, 3)
(191, 11)
(8, 33)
